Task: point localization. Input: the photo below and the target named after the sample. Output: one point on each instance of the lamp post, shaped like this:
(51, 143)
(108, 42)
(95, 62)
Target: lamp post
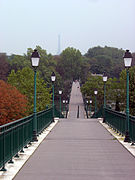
(53, 78)
(104, 80)
(64, 106)
(87, 108)
(95, 92)
(60, 93)
(35, 63)
(90, 106)
(127, 62)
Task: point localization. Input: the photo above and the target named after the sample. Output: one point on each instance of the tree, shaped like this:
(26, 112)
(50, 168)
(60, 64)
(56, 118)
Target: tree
(4, 67)
(131, 89)
(115, 91)
(133, 61)
(13, 104)
(47, 63)
(89, 87)
(85, 70)
(23, 80)
(19, 62)
(70, 64)
(107, 59)
(101, 64)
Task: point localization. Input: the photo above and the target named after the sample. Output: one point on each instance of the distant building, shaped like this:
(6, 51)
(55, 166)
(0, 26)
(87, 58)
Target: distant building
(97, 74)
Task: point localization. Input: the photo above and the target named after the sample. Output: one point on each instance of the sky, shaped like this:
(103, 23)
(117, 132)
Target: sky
(81, 24)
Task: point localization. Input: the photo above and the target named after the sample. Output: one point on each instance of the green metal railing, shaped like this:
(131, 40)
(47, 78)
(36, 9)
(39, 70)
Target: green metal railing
(44, 118)
(99, 113)
(13, 137)
(117, 121)
(58, 114)
(132, 128)
(64, 110)
(18, 134)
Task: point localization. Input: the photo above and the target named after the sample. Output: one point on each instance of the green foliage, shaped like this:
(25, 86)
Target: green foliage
(85, 69)
(109, 51)
(131, 88)
(89, 87)
(47, 63)
(70, 64)
(105, 59)
(115, 91)
(23, 80)
(18, 62)
(123, 77)
(4, 67)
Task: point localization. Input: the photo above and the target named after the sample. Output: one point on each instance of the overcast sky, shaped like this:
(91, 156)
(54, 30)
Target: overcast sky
(82, 24)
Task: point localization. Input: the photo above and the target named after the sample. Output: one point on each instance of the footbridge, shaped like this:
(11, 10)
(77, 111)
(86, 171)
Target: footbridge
(76, 148)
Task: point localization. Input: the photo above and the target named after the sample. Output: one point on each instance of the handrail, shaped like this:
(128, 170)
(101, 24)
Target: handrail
(14, 122)
(117, 120)
(15, 135)
(99, 113)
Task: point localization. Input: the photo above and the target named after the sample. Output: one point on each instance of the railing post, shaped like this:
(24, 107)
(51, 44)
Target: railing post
(22, 151)
(11, 147)
(17, 141)
(66, 111)
(87, 110)
(78, 112)
(3, 168)
(90, 110)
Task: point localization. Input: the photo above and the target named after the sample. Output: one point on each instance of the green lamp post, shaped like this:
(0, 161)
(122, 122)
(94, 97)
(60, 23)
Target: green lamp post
(66, 107)
(60, 93)
(104, 80)
(53, 78)
(35, 63)
(87, 108)
(90, 106)
(95, 92)
(63, 106)
(127, 62)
